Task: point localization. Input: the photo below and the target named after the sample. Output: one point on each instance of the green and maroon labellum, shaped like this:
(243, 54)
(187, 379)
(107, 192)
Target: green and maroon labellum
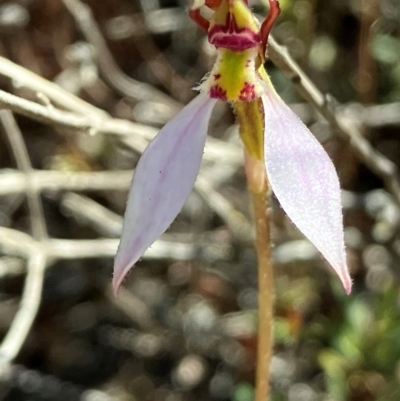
(233, 27)
(230, 36)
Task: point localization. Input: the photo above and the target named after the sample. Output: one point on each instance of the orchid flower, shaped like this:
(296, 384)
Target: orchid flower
(300, 172)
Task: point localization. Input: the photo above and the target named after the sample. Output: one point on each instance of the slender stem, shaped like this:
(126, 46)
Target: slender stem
(259, 191)
(251, 127)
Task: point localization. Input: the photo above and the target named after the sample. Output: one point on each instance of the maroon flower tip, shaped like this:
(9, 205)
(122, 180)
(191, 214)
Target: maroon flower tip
(233, 38)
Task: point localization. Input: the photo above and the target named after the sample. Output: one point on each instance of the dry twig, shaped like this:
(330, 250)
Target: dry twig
(30, 301)
(14, 242)
(32, 293)
(115, 77)
(12, 181)
(55, 93)
(18, 147)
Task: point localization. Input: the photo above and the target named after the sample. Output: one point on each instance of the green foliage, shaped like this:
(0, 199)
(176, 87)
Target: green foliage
(243, 392)
(364, 347)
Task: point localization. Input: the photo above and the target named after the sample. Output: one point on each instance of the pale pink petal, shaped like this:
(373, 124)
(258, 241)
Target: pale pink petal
(304, 180)
(163, 179)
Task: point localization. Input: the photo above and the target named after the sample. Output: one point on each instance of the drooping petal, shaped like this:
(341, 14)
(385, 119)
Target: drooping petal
(304, 180)
(163, 179)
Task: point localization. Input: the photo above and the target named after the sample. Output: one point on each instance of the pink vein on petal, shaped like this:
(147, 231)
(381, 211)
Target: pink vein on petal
(304, 180)
(163, 179)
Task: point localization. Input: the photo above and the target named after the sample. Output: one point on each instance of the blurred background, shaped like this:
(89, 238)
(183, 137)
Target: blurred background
(183, 326)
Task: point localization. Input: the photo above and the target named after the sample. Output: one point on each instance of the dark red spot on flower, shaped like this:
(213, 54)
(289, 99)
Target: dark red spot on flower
(247, 93)
(216, 92)
(217, 76)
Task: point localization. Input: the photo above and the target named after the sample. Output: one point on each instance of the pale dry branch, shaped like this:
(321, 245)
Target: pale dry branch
(92, 124)
(375, 116)
(86, 210)
(110, 70)
(107, 248)
(12, 181)
(20, 152)
(32, 292)
(30, 301)
(14, 242)
(25, 78)
(11, 266)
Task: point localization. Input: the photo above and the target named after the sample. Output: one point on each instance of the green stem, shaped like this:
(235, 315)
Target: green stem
(259, 191)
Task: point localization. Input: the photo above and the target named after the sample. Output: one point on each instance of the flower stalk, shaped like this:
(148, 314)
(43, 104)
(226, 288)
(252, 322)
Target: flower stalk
(260, 197)
(250, 118)
(265, 289)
